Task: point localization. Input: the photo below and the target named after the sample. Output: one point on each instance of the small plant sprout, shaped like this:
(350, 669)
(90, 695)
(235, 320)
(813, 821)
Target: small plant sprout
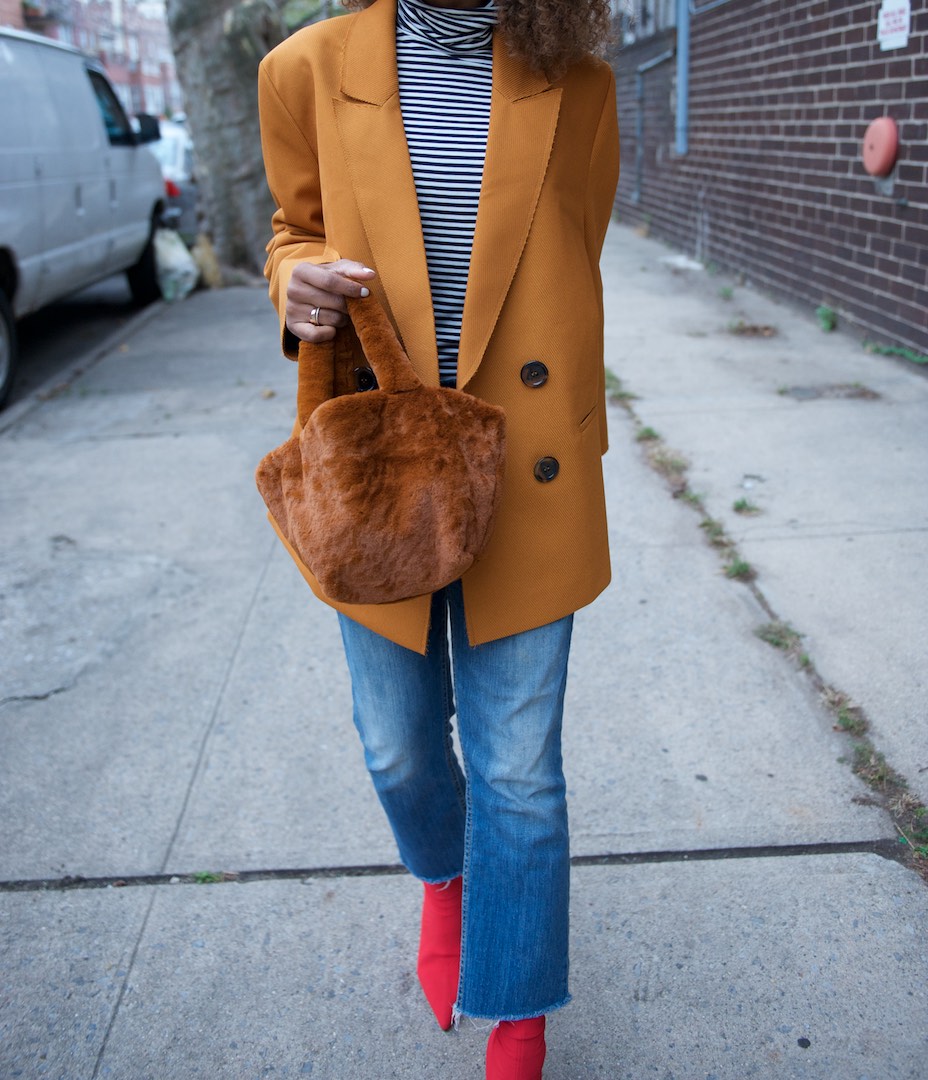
(613, 382)
(911, 821)
(780, 635)
(907, 803)
(848, 716)
(715, 532)
(739, 570)
(851, 720)
(647, 434)
(871, 767)
(615, 391)
(745, 506)
(727, 292)
(827, 317)
(911, 355)
(667, 462)
(914, 841)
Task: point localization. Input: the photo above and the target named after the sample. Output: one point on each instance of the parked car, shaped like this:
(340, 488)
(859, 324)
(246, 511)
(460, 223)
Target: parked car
(174, 151)
(80, 195)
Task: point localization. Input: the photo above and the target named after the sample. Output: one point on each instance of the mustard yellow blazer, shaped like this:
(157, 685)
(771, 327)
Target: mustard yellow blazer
(532, 336)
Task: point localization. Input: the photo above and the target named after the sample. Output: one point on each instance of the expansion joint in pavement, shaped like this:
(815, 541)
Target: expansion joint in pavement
(886, 849)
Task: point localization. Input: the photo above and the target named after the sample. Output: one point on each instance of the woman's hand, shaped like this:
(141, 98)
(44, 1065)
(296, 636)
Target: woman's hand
(316, 297)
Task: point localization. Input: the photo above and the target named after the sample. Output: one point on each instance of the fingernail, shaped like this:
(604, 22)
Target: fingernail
(367, 270)
(365, 292)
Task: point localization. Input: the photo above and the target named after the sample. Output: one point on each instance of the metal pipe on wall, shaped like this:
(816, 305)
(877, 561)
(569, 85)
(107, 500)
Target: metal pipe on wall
(683, 77)
(639, 117)
(685, 8)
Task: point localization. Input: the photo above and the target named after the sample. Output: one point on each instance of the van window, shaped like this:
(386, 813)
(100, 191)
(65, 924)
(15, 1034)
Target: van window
(118, 128)
(81, 131)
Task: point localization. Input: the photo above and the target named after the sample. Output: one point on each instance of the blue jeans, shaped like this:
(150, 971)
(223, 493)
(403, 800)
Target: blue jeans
(502, 820)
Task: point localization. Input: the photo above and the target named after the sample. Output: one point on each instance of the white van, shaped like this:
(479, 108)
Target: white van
(79, 193)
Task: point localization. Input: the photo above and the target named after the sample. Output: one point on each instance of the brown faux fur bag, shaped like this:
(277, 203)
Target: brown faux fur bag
(387, 493)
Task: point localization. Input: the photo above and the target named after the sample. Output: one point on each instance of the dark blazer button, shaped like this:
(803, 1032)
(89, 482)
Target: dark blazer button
(534, 374)
(365, 378)
(546, 469)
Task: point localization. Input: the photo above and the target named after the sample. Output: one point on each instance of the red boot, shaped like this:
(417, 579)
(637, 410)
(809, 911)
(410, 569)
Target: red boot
(516, 1050)
(440, 948)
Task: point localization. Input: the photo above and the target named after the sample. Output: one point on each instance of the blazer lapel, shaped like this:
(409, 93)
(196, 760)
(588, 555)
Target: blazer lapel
(370, 126)
(523, 120)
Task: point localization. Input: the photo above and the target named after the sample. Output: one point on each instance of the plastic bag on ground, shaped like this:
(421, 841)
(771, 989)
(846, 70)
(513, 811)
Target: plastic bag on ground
(176, 270)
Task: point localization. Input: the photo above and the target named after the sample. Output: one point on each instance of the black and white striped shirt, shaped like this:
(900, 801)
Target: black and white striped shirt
(445, 63)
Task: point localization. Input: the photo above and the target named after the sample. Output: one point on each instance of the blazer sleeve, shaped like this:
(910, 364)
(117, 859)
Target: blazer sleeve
(601, 188)
(292, 167)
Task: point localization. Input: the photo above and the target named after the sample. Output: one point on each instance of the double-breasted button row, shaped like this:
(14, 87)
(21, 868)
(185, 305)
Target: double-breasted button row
(535, 374)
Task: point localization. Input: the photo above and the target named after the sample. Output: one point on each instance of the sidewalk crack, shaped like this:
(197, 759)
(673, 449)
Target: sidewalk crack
(117, 1004)
(217, 704)
(17, 698)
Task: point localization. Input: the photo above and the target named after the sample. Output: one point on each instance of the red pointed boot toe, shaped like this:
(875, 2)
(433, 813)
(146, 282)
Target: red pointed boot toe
(439, 962)
(516, 1050)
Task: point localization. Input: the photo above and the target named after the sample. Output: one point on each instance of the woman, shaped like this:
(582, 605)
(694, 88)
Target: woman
(459, 159)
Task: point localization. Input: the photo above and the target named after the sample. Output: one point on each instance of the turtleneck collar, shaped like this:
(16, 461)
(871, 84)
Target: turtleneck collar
(453, 30)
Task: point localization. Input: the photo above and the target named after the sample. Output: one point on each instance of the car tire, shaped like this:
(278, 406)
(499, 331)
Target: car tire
(143, 277)
(9, 350)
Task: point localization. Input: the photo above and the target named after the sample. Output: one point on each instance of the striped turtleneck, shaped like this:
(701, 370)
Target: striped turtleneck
(445, 64)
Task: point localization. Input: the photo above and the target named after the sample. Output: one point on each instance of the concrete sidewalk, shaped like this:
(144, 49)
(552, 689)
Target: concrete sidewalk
(173, 703)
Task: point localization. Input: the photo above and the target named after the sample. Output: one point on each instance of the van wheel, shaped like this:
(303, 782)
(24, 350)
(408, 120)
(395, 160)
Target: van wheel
(143, 277)
(8, 348)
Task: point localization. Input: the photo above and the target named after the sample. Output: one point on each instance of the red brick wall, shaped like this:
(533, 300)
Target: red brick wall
(11, 13)
(781, 93)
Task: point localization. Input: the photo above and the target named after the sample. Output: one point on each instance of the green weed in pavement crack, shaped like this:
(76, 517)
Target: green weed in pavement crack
(889, 789)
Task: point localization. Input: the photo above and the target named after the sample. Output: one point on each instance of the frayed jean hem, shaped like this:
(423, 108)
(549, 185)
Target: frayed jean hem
(445, 880)
(457, 1015)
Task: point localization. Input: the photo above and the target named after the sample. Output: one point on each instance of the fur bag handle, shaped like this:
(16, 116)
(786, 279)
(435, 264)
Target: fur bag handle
(390, 364)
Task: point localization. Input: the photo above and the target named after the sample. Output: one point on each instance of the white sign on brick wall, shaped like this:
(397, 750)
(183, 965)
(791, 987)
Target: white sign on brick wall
(894, 23)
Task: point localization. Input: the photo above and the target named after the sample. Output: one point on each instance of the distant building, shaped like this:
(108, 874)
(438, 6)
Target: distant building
(762, 173)
(130, 37)
(11, 14)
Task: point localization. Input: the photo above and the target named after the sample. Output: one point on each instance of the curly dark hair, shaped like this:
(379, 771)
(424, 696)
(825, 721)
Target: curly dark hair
(549, 35)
